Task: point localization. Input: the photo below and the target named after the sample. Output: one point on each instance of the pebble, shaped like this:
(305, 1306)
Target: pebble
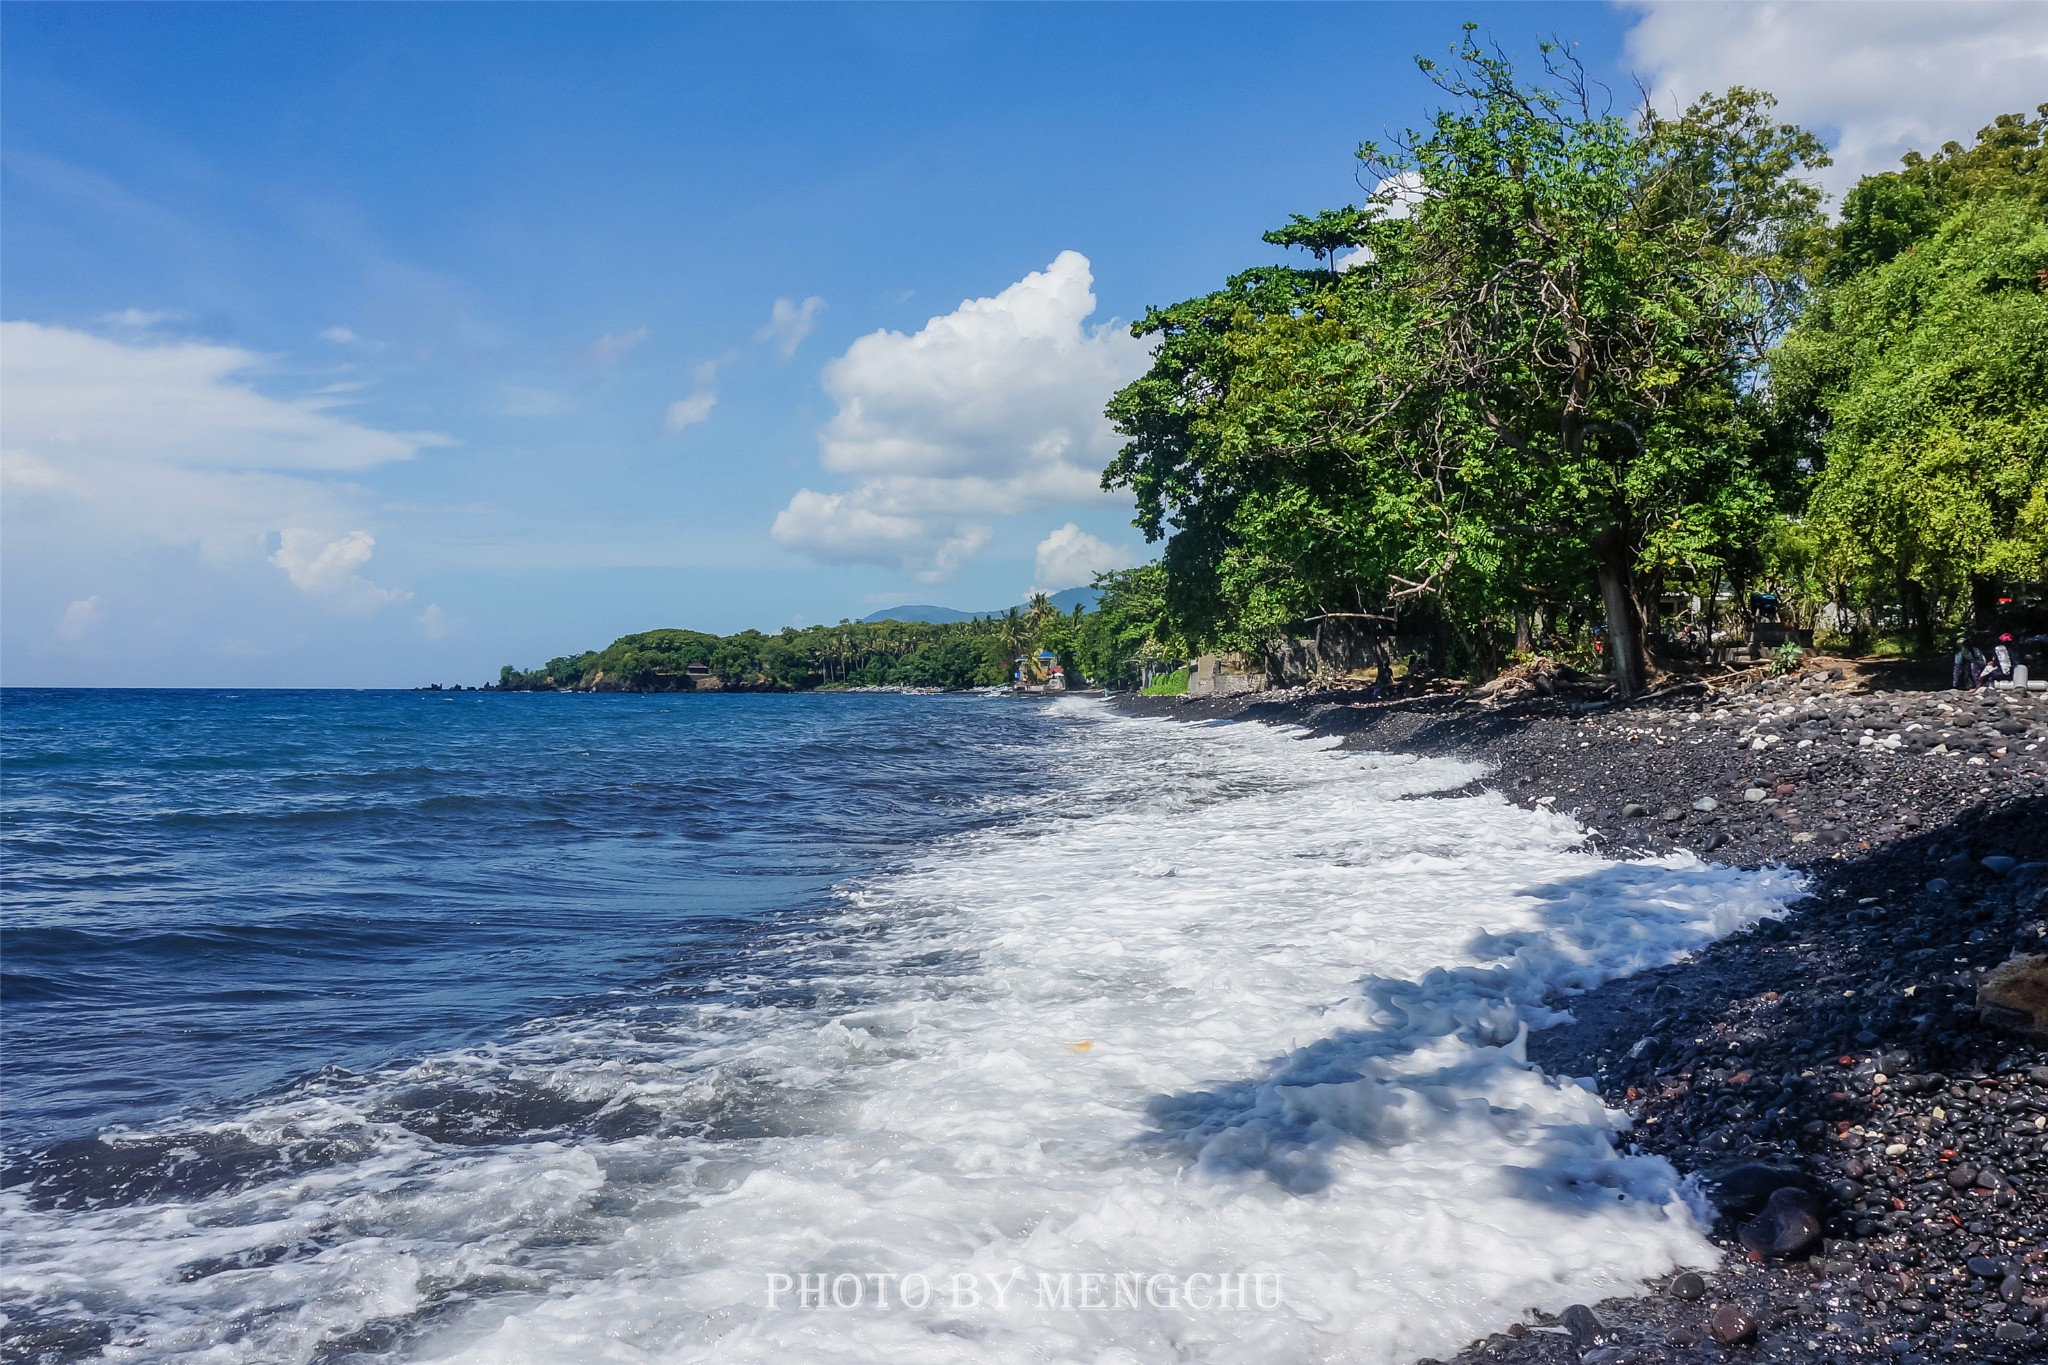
(1788, 1226)
(1691, 1286)
(1707, 803)
(1585, 1328)
(1730, 1325)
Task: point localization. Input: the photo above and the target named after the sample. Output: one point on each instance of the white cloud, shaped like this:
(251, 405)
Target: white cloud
(789, 323)
(992, 409)
(324, 566)
(608, 348)
(140, 319)
(1070, 557)
(114, 448)
(187, 404)
(864, 527)
(1876, 80)
(340, 336)
(79, 618)
(433, 622)
(687, 412)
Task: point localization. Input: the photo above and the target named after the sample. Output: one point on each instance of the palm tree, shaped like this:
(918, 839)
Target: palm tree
(1014, 634)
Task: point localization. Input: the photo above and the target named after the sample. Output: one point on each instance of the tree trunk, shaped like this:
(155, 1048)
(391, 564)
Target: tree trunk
(1921, 608)
(1524, 643)
(1617, 594)
(1983, 601)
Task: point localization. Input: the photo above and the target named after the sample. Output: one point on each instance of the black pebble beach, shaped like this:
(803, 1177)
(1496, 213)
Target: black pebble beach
(1837, 1057)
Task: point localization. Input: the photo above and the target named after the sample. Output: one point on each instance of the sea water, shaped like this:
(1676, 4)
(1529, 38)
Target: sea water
(423, 1027)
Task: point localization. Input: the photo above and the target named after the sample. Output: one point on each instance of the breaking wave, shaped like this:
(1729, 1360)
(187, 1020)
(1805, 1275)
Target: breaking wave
(1185, 1004)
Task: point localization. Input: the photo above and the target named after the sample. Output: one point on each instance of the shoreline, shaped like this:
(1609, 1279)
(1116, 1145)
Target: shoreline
(1839, 1050)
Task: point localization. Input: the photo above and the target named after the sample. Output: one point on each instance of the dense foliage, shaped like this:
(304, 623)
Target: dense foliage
(1924, 371)
(1542, 376)
(1099, 645)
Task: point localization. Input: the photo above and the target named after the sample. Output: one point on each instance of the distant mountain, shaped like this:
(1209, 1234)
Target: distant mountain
(929, 615)
(1066, 601)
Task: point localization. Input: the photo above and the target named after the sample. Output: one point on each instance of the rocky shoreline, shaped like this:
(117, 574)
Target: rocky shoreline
(1877, 1150)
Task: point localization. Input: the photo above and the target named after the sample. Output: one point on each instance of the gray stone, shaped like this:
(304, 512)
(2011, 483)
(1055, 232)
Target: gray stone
(1755, 794)
(1788, 1226)
(1586, 1329)
(1709, 803)
(1999, 863)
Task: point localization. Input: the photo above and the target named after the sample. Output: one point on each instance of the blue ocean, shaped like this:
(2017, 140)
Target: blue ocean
(211, 893)
(533, 1029)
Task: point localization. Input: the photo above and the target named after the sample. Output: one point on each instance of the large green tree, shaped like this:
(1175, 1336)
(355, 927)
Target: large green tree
(1930, 372)
(1593, 295)
(1888, 212)
(1538, 362)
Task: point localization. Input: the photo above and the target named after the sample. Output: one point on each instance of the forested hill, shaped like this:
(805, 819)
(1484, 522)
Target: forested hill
(1093, 645)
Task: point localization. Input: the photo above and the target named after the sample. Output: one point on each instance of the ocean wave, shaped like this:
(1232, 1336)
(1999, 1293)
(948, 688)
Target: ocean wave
(1180, 1001)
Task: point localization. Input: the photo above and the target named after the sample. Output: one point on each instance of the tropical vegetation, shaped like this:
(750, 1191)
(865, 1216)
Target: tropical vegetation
(1564, 367)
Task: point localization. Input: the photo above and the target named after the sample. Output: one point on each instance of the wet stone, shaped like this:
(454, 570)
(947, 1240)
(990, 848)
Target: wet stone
(1788, 1225)
(1730, 1325)
(1584, 1327)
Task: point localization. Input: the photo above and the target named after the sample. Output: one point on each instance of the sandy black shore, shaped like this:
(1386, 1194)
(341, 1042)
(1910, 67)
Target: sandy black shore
(1839, 1052)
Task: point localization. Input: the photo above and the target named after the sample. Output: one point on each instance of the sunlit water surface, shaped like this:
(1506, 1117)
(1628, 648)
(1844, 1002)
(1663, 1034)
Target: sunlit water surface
(383, 1026)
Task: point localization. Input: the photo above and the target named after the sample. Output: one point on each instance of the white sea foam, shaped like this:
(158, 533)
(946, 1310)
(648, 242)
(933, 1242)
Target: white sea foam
(1216, 1002)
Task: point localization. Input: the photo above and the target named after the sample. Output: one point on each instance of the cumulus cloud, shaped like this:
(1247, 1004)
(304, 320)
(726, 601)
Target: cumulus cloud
(992, 409)
(1875, 79)
(325, 566)
(112, 446)
(789, 322)
(870, 526)
(78, 619)
(687, 412)
(433, 622)
(1070, 557)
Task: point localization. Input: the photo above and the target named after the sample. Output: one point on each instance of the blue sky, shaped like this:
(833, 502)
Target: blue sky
(378, 345)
